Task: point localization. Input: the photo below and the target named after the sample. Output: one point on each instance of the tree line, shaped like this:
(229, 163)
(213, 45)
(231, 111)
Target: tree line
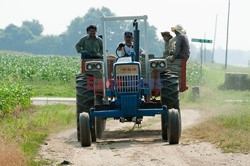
(29, 38)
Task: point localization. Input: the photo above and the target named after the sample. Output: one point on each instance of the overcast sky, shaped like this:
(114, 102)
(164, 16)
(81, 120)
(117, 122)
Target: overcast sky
(196, 16)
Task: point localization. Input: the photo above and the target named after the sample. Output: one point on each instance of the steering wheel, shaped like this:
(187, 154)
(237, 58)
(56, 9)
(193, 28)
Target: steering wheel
(121, 45)
(116, 52)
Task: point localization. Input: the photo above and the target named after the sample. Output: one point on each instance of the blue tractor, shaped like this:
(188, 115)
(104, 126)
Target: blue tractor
(128, 95)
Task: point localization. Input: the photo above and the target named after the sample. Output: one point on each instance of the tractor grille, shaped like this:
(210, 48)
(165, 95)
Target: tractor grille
(127, 78)
(127, 83)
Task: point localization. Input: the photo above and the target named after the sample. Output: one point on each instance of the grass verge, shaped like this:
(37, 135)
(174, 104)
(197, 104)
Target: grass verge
(53, 89)
(228, 130)
(226, 123)
(27, 131)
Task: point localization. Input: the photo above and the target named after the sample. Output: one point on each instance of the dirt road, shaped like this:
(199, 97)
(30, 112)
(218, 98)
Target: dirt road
(142, 146)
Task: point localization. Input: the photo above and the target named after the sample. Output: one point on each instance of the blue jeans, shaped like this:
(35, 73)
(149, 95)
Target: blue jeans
(86, 55)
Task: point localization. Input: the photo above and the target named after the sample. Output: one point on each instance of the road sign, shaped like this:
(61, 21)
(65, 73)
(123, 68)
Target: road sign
(201, 40)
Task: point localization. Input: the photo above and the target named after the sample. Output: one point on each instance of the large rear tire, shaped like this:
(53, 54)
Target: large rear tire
(174, 126)
(169, 97)
(85, 133)
(100, 122)
(84, 98)
(100, 126)
(164, 128)
(170, 90)
(93, 132)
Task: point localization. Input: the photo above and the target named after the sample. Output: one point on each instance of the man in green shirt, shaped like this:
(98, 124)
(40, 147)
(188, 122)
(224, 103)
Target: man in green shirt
(90, 46)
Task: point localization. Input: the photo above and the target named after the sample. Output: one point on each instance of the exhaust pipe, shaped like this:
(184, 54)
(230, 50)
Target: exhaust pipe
(136, 40)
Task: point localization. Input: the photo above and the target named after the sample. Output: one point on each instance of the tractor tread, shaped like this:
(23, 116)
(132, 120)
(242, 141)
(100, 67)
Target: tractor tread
(84, 98)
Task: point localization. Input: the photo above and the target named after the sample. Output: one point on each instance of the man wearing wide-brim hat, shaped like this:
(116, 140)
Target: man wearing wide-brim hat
(169, 43)
(182, 48)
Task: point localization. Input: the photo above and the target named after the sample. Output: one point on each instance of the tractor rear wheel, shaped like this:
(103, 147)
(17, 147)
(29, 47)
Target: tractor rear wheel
(100, 126)
(84, 98)
(164, 127)
(100, 122)
(169, 97)
(174, 126)
(85, 133)
(93, 131)
(170, 90)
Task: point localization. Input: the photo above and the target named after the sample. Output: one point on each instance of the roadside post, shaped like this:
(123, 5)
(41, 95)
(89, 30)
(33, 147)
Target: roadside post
(202, 41)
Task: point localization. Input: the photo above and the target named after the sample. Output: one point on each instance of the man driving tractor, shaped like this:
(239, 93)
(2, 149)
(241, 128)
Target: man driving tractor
(90, 46)
(127, 47)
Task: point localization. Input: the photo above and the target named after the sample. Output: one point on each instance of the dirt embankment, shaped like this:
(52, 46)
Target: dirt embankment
(10, 155)
(142, 146)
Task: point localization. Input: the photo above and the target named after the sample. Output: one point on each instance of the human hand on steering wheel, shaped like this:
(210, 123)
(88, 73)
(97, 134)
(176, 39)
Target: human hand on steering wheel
(119, 48)
(121, 45)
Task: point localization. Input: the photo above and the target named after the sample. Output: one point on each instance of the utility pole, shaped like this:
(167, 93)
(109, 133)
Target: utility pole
(227, 34)
(201, 59)
(201, 41)
(205, 50)
(215, 31)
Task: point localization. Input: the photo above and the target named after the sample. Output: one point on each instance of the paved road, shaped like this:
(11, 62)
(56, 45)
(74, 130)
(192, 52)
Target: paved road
(52, 100)
(72, 101)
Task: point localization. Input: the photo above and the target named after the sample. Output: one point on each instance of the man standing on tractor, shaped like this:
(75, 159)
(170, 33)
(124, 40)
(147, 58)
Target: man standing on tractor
(127, 47)
(90, 46)
(182, 48)
(169, 43)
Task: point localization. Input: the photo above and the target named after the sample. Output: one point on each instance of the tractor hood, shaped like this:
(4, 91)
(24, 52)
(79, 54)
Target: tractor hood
(124, 60)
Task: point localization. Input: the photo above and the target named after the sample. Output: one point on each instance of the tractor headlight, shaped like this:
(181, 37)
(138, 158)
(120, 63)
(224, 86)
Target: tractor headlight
(98, 66)
(153, 65)
(162, 64)
(89, 67)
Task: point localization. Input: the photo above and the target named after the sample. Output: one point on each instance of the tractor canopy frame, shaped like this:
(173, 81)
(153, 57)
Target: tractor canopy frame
(105, 19)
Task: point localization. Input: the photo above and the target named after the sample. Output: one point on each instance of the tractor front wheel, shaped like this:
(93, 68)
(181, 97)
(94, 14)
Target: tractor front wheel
(174, 126)
(85, 132)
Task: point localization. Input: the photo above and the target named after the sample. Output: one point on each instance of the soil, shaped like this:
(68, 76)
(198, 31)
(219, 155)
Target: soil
(127, 144)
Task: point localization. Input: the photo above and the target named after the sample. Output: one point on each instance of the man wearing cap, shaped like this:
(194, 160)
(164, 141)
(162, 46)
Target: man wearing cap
(182, 48)
(169, 43)
(127, 47)
(90, 46)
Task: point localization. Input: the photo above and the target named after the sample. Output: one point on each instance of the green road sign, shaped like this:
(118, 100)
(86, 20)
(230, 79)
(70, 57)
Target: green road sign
(201, 40)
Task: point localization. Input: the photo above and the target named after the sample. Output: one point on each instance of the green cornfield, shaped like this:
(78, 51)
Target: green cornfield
(22, 73)
(18, 67)
(18, 71)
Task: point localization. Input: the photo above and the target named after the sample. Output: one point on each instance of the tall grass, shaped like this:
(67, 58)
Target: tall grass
(10, 155)
(28, 129)
(229, 129)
